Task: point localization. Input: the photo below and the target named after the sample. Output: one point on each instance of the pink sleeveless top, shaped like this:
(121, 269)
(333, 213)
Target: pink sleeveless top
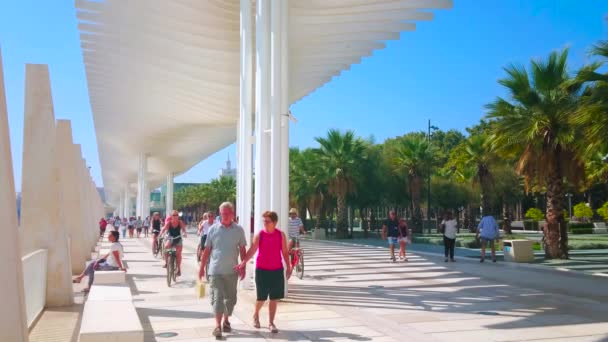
(269, 251)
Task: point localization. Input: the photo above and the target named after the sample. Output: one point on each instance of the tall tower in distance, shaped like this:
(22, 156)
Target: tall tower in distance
(228, 171)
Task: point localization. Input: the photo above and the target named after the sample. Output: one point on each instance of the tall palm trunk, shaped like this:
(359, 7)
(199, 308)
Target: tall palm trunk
(484, 184)
(341, 222)
(556, 231)
(415, 191)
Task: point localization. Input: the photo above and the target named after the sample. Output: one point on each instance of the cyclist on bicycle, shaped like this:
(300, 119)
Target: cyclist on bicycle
(203, 229)
(156, 223)
(176, 230)
(296, 227)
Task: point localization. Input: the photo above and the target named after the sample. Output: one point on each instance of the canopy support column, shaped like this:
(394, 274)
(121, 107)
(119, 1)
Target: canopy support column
(169, 195)
(141, 185)
(245, 123)
(262, 112)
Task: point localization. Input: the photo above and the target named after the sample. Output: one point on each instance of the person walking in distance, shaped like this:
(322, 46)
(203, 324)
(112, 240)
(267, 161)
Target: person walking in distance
(449, 227)
(139, 225)
(225, 242)
(203, 229)
(296, 227)
(390, 232)
(271, 245)
(123, 227)
(404, 232)
(146, 226)
(116, 223)
(102, 227)
(488, 231)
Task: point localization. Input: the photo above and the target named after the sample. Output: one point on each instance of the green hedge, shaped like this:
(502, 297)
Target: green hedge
(577, 231)
(580, 225)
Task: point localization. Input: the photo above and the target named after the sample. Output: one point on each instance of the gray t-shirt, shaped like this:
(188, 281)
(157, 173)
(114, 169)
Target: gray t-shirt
(224, 243)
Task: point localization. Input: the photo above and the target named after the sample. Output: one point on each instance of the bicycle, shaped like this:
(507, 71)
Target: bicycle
(297, 259)
(157, 246)
(171, 260)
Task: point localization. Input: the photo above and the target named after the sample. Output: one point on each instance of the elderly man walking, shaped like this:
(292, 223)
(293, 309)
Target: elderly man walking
(225, 241)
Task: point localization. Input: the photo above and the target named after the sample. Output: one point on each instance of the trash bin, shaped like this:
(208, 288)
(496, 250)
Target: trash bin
(518, 250)
(318, 234)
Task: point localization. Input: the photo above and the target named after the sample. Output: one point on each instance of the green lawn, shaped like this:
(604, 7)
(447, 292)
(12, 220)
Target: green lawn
(576, 242)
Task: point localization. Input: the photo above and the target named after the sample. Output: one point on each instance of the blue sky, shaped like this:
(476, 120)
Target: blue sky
(445, 71)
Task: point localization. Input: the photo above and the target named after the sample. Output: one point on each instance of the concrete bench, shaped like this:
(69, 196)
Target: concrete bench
(110, 293)
(517, 225)
(116, 321)
(600, 228)
(110, 277)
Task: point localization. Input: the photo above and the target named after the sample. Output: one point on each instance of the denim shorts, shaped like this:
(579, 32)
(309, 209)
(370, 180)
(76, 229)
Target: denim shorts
(392, 240)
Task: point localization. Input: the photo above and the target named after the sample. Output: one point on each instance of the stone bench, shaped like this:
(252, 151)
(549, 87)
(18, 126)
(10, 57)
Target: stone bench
(600, 228)
(110, 293)
(110, 301)
(110, 277)
(517, 225)
(110, 320)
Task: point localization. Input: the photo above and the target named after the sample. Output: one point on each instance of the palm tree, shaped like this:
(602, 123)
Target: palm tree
(341, 155)
(476, 154)
(307, 181)
(593, 113)
(536, 124)
(414, 156)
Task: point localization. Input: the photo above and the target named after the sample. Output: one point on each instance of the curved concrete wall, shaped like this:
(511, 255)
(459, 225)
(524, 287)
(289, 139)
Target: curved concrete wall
(34, 283)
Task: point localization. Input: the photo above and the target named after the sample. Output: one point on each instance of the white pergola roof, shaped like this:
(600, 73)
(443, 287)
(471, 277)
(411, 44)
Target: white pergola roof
(163, 75)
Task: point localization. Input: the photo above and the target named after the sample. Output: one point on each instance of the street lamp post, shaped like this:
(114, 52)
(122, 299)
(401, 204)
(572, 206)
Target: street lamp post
(569, 195)
(428, 194)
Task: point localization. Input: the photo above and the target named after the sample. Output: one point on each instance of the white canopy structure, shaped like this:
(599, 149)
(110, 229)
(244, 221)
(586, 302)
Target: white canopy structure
(171, 81)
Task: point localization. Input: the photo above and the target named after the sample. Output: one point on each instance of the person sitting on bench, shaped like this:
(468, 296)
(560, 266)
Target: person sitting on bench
(110, 262)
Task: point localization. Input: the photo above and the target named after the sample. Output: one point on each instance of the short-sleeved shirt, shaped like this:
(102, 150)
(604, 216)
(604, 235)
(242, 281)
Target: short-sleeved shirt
(392, 227)
(451, 227)
(488, 228)
(206, 227)
(294, 227)
(116, 246)
(224, 243)
(139, 223)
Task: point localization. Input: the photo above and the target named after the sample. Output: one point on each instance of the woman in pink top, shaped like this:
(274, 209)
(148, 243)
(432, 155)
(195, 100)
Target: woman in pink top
(269, 278)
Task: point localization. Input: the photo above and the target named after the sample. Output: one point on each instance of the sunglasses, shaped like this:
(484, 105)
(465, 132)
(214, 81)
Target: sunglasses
(267, 221)
(175, 215)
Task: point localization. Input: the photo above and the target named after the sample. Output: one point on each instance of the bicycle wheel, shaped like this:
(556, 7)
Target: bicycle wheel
(155, 249)
(170, 258)
(174, 268)
(300, 265)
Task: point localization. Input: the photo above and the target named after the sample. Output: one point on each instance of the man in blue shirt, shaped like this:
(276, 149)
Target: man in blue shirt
(488, 231)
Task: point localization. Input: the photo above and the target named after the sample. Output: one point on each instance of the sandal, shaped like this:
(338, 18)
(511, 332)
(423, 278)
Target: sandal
(217, 332)
(273, 329)
(76, 281)
(85, 291)
(256, 322)
(226, 327)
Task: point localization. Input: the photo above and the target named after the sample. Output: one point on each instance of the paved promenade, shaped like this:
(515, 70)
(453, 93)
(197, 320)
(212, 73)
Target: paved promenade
(354, 293)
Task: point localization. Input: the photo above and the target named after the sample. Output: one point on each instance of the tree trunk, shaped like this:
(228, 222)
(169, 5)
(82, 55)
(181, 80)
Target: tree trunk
(415, 189)
(506, 219)
(556, 230)
(341, 223)
(484, 185)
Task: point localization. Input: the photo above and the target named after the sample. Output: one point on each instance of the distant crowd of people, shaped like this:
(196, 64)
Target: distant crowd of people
(396, 231)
